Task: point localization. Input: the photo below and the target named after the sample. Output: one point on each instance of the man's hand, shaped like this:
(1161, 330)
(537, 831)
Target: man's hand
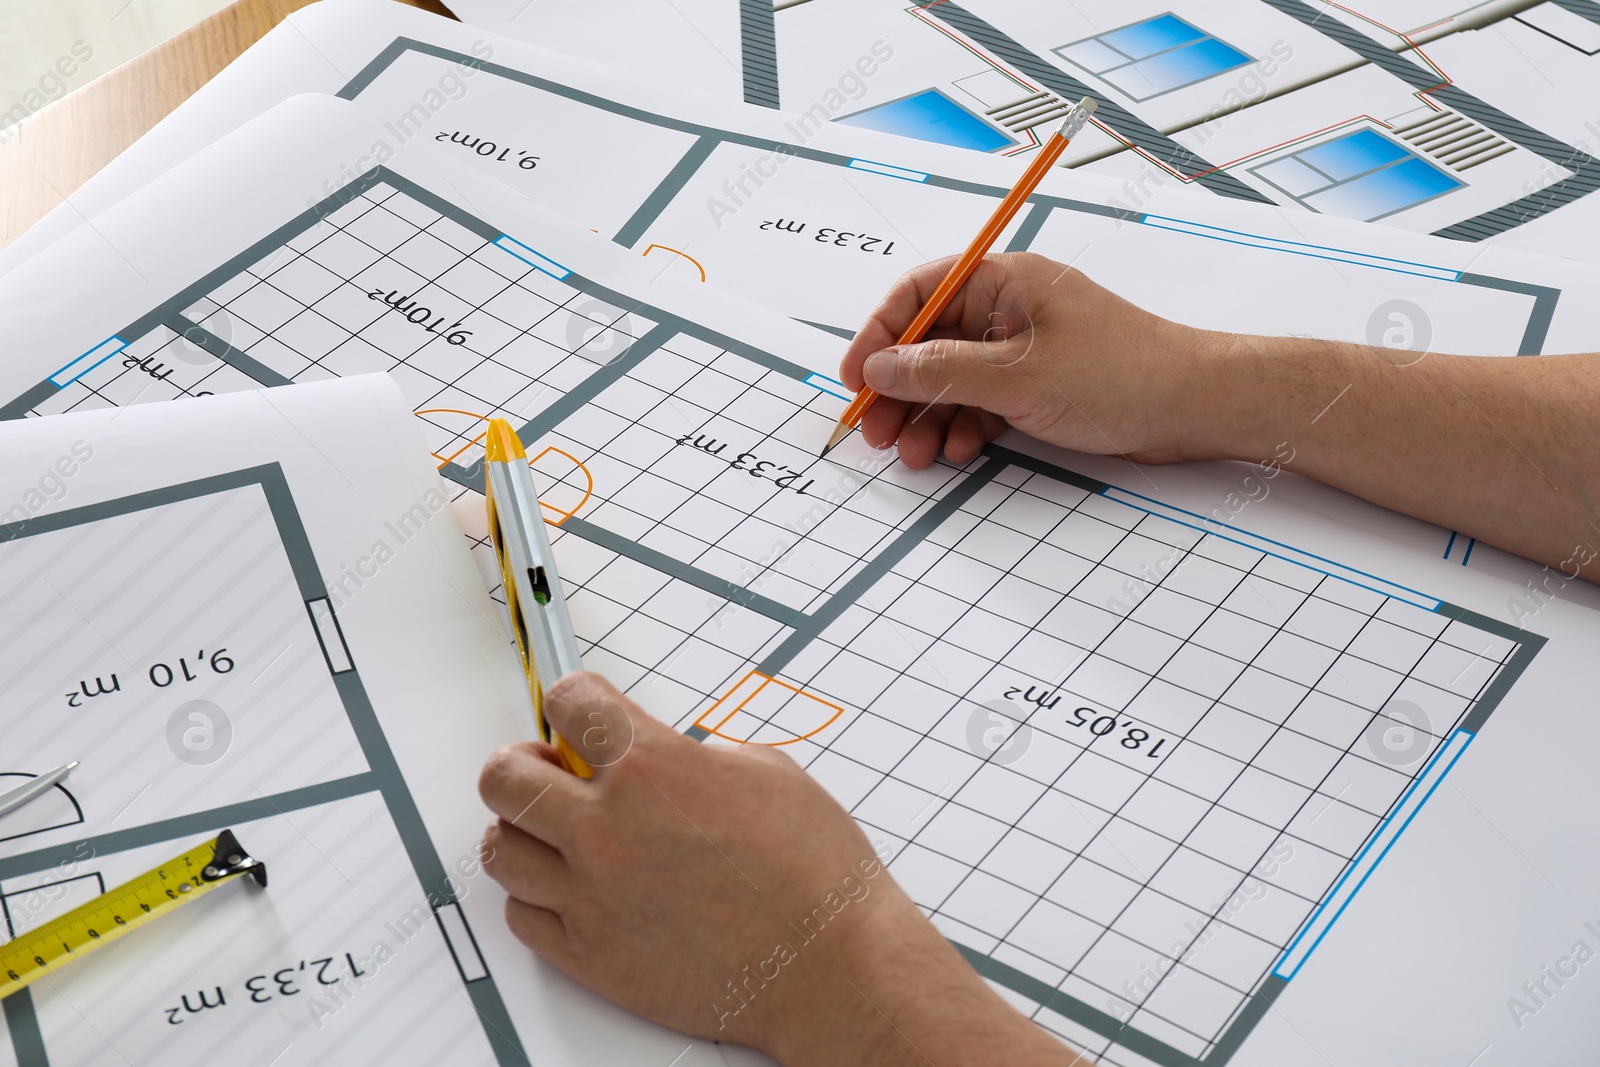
(720, 891)
(1029, 343)
(1503, 450)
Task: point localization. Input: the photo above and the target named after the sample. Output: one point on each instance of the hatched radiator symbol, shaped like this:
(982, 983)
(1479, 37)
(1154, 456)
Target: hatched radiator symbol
(1030, 111)
(1457, 142)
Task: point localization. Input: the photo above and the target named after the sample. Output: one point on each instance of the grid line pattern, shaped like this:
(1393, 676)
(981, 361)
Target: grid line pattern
(311, 309)
(1153, 890)
(662, 443)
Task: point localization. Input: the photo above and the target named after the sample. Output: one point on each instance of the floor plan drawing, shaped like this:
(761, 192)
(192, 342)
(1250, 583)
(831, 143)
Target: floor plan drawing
(1187, 781)
(814, 218)
(1135, 762)
(891, 216)
(258, 670)
(1467, 122)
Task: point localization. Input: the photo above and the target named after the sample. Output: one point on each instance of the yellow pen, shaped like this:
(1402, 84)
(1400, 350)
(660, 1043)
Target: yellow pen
(545, 639)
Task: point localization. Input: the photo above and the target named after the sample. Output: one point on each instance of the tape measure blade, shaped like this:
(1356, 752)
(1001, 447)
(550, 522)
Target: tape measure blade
(36, 953)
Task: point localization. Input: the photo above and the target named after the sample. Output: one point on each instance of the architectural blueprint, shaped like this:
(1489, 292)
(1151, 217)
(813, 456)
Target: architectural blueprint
(1149, 769)
(722, 193)
(1473, 121)
(171, 624)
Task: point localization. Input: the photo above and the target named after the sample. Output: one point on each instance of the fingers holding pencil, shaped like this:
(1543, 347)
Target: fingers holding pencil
(959, 270)
(947, 365)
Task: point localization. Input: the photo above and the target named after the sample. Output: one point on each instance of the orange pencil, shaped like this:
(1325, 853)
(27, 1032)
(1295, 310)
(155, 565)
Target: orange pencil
(1048, 154)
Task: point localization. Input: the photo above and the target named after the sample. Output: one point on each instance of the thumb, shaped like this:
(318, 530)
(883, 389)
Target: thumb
(983, 374)
(597, 720)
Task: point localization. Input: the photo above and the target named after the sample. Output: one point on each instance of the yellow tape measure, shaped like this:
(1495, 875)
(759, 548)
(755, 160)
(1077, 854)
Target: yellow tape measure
(109, 916)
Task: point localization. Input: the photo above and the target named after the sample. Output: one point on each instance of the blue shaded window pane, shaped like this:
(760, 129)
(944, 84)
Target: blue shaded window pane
(1170, 70)
(1352, 155)
(1154, 56)
(1293, 176)
(1384, 192)
(930, 116)
(1092, 56)
(1132, 81)
(1154, 35)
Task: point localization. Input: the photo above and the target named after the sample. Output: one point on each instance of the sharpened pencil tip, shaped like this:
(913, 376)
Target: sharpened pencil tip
(840, 432)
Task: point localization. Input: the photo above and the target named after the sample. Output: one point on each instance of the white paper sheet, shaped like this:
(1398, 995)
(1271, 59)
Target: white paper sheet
(1198, 698)
(181, 619)
(1237, 98)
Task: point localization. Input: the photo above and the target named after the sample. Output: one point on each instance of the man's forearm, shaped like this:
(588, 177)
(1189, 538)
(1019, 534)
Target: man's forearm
(894, 993)
(1429, 435)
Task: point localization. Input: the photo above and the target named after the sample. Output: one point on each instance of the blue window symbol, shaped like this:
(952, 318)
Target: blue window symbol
(931, 116)
(1153, 57)
(1362, 175)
